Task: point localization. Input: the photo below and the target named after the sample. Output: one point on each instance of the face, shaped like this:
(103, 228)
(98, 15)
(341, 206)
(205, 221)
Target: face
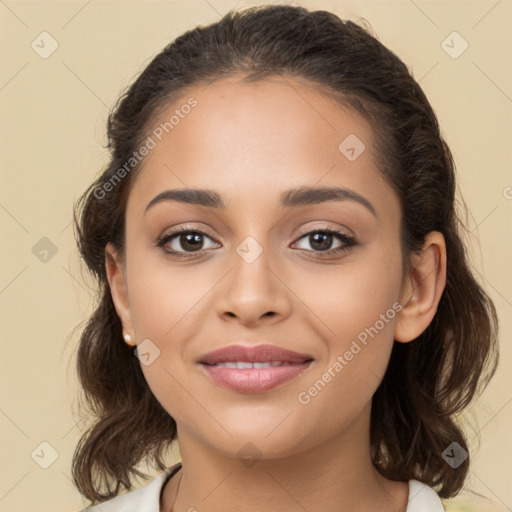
(319, 277)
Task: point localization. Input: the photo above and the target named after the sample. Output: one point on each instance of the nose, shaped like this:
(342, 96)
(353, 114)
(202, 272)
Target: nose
(254, 291)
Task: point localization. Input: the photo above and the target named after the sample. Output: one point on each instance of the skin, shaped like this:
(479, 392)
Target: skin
(250, 142)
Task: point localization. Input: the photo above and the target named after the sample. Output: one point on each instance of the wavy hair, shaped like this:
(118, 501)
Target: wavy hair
(429, 381)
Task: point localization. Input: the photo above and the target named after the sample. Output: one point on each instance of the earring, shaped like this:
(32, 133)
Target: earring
(128, 339)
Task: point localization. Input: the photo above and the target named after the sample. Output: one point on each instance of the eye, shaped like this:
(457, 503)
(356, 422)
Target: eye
(189, 239)
(321, 240)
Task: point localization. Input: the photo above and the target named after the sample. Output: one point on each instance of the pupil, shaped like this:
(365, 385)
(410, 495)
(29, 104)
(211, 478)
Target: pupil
(325, 237)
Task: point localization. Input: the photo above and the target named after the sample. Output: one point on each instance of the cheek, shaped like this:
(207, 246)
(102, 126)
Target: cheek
(359, 353)
(167, 307)
(164, 297)
(359, 305)
(354, 295)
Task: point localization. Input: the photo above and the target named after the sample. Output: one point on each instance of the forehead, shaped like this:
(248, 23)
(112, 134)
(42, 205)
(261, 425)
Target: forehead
(256, 137)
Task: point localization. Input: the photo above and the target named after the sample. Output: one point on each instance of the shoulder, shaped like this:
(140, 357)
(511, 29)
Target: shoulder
(146, 498)
(423, 498)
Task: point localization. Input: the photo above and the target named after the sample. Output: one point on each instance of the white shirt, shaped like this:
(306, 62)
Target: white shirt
(422, 498)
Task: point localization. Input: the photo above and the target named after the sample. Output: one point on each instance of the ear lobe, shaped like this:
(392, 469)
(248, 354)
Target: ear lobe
(116, 276)
(422, 289)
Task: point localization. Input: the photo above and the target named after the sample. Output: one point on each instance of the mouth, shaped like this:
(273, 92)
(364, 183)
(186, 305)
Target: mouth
(263, 353)
(245, 365)
(252, 369)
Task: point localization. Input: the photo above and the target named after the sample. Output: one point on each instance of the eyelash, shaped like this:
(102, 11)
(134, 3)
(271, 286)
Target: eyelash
(348, 241)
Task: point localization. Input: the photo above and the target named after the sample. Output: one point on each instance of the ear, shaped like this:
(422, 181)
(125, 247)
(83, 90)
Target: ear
(422, 289)
(116, 275)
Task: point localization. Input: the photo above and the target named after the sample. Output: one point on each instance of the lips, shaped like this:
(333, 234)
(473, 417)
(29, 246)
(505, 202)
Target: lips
(253, 354)
(253, 369)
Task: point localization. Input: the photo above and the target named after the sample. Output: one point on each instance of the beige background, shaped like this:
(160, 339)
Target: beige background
(53, 114)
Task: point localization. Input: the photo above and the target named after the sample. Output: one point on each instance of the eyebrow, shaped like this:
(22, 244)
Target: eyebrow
(301, 196)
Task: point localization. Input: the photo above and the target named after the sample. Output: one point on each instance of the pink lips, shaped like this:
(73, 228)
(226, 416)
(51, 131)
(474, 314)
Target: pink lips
(273, 366)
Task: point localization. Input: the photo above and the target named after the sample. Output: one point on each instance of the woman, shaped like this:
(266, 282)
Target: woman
(275, 239)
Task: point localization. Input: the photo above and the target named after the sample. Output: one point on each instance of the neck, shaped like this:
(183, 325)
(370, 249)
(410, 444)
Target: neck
(335, 475)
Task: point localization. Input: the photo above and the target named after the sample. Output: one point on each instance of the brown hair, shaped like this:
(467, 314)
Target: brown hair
(428, 381)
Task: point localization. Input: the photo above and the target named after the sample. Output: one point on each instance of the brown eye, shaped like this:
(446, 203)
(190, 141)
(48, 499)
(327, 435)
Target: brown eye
(183, 241)
(191, 241)
(321, 240)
